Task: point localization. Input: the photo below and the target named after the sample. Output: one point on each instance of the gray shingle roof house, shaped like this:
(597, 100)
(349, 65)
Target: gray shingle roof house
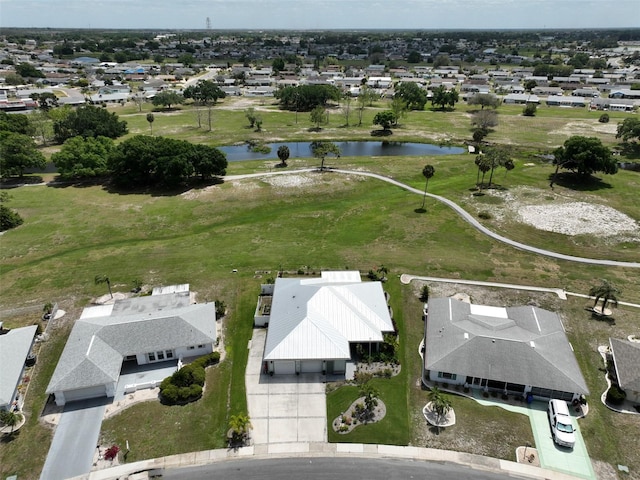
(15, 345)
(313, 322)
(520, 350)
(626, 358)
(142, 329)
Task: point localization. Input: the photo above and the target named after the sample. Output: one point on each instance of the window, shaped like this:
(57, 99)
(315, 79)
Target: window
(200, 346)
(160, 355)
(169, 354)
(191, 347)
(151, 356)
(450, 376)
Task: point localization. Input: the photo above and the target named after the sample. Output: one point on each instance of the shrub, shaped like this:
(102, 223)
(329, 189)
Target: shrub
(615, 395)
(185, 385)
(529, 110)
(112, 452)
(604, 118)
(9, 219)
(221, 308)
(485, 215)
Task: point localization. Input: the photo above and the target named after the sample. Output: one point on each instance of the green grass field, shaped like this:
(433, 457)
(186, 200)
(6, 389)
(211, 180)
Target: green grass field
(329, 221)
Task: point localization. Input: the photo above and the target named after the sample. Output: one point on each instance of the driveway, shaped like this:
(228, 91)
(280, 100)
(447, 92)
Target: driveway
(75, 440)
(283, 408)
(574, 461)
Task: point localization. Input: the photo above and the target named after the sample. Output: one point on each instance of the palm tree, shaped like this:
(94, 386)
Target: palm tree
(427, 172)
(440, 403)
(283, 154)
(609, 294)
(103, 279)
(370, 394)
(10, 418)
(239, 425)
(150, 119)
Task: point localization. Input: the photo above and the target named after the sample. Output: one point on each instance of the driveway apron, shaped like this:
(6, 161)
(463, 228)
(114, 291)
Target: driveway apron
(75, 440)
(284, 408)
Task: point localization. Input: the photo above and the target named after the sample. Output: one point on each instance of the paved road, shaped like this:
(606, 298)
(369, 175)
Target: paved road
(329, 468)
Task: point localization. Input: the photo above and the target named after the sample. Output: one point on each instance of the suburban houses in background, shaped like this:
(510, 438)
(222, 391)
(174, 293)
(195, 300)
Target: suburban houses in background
(604, 82)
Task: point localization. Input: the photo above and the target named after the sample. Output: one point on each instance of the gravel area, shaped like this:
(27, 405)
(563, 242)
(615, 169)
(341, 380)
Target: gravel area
(577, 218)
(551, 212)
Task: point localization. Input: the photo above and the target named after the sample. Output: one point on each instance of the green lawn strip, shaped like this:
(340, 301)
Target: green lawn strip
(23, 454)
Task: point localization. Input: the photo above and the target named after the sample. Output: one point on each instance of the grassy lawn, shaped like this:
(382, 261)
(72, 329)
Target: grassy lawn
(327, 221)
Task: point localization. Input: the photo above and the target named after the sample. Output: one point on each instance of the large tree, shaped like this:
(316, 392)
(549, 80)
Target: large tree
(484, 100)
(89, 121)
(18, 152)
(83, 157)
(143, 161)
(15, 123)
(629, 129)
(167, 98)
(305, 98)
(323, 149)
(385, 119)
(584, 156)
(444, 97)
(412, 95)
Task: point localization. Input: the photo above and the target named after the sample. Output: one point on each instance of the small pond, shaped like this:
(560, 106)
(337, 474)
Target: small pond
(238, 153)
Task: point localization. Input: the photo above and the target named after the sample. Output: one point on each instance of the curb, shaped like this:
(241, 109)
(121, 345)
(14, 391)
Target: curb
(331, 450)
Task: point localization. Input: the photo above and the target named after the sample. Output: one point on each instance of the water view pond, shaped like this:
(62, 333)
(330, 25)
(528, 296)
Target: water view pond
(238, 153)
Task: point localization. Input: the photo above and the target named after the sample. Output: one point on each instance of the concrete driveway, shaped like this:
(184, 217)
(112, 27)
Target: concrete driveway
(574, 461)
(283, 408)
(75, 440)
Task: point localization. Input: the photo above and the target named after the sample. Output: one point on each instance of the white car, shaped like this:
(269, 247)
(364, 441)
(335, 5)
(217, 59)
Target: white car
(561, 425)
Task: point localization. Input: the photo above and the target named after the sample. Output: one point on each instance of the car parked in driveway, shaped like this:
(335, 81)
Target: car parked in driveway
(561, 426)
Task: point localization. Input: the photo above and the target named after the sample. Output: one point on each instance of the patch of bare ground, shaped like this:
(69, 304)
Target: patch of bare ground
(551, 212)
(585, 128)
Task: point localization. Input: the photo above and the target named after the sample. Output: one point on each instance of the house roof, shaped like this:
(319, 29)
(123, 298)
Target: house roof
(103, 336)
(626, 356)
(317, 318)
(15, 345)
(523, 345)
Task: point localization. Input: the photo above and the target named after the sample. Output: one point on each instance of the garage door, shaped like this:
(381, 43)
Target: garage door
(285, 367)
(311, 366)
(84, 393)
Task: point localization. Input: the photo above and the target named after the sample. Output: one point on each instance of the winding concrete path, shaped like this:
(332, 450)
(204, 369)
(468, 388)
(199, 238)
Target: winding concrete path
(466, 216)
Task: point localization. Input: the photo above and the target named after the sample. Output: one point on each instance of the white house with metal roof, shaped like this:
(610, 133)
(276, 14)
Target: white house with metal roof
(519, 350)
(151, 329)
(15, 345)
(313, 323)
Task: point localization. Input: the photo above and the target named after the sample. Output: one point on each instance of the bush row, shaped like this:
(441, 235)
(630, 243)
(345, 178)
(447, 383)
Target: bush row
(185, 385)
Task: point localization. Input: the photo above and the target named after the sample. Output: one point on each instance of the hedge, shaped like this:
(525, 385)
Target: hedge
(185, 385)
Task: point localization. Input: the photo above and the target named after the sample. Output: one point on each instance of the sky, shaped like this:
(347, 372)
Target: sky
(321, 14)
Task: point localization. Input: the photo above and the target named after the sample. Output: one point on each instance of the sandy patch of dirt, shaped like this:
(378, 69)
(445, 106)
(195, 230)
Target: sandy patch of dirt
(550, 212)
(585, 128)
